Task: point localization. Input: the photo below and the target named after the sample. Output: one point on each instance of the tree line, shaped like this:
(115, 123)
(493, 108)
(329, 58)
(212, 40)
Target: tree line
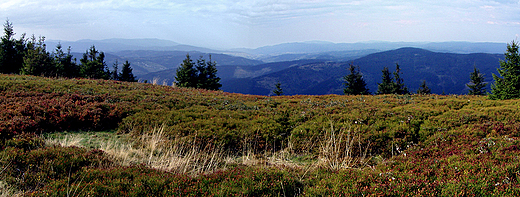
(505, 87)
(356, 85)
(29, 56)
(202, 74)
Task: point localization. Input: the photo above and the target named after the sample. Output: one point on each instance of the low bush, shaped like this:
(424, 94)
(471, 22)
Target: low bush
(383, 145)
(31, 169)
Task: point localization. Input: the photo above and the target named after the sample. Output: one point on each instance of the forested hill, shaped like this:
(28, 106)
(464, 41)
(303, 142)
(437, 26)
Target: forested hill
(443, 72)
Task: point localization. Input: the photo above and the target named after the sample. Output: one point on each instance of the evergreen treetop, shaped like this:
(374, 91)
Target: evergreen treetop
(93, 65)
(30, 57)
(202, 75)
(387, 84)
(65, 64)
(37, 61)
(424, 89)
(399, 87)
(391, 85)
(126, 73)
(186, 75)
(278, 89)
(12, 51)
(476, 85)
(114, 75)
(354, 83)
(508, 87)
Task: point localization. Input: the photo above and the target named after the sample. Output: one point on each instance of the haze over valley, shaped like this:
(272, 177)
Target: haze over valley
(260, 98)
(253, 41)
(309, 67)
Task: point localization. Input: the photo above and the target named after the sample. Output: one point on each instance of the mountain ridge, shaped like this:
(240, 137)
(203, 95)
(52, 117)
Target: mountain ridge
(443, 72)
(259, 71)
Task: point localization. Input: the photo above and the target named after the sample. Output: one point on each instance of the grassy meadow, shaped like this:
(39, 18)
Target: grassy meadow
(80, 137)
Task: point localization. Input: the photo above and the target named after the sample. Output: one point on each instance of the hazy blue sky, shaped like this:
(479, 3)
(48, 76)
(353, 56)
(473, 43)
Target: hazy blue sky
(255, 23)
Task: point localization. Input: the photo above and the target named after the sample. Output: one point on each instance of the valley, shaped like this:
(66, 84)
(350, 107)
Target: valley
(318, 68)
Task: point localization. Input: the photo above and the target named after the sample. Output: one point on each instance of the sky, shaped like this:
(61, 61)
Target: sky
(225, 24)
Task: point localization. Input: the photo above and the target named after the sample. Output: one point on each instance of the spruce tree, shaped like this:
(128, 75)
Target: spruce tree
(93, 65)
(278, 89)
(202, 75)
(12, 51)
(354, 83)
(210, 80)
(114, 75)
(399, 87)
(200, 68)
(387, 85)
(476, 86)
(186, 75)
(508, 87)
(423, 89)
(37, 61)
(65, 64)
(126, 73)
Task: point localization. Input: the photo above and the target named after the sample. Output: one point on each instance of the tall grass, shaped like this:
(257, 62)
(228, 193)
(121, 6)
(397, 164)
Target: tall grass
(155, 150)
(338, 147)
(177, 155)
(67, 140)
(5, 189)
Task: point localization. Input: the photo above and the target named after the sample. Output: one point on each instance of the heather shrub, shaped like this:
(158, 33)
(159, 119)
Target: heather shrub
(383, 145)
(30, 170)
(25, 141)
(26, 112)
(141, 181)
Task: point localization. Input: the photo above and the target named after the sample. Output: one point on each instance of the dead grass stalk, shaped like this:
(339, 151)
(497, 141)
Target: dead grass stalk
(338, 147)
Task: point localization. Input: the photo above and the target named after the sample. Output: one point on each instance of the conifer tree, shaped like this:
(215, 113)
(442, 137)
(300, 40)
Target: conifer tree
(399, 87)
(508, 87)
(424, 89)
(114, 75)
(210, 80)
(476, 85)
(278, 89)
(65, 64)
(354, 83)
(37, 61)
(93, 65)
(387, 85)
(126, 73)
(12, 51)
(202, 75)
(186, 75)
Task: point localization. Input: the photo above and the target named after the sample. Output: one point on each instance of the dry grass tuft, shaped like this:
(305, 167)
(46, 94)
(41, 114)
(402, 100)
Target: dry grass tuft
(5, 189)
(155, 81)
(179, 155)
(154, 150)
(338, 147)
(67, 140)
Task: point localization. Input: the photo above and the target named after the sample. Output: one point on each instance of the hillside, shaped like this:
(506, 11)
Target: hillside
(229, 73)
(314, 47)
(135, 139)
(151, 56)
(145, 62)
(118, 44)
(443, 72)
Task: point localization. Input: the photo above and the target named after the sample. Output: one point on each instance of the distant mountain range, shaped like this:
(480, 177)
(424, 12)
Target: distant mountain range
(443, 72)
(307, 67)
(321, 47)
(117, 45)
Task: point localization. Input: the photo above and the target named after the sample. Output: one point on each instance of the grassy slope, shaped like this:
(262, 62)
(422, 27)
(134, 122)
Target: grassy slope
(353, 145)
